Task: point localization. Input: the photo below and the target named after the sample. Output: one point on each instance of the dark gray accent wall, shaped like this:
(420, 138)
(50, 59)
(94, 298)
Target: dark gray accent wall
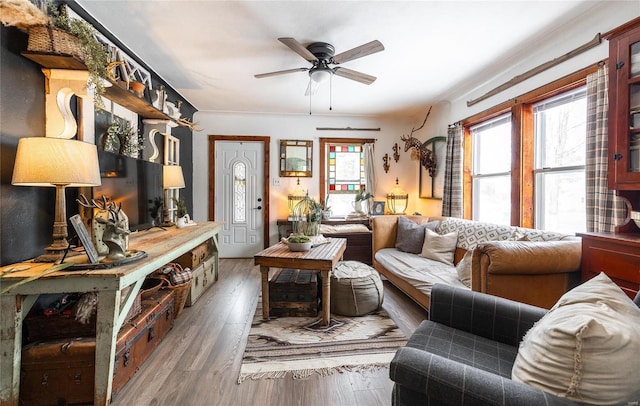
(26, 213)
(26, 221)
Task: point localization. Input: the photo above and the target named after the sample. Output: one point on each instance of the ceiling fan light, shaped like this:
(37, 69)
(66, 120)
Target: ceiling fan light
(320, 76)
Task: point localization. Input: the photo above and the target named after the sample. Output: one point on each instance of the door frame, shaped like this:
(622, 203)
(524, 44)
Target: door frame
(266, 142)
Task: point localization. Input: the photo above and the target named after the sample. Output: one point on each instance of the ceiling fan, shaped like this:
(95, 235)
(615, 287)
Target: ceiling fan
(321, 55)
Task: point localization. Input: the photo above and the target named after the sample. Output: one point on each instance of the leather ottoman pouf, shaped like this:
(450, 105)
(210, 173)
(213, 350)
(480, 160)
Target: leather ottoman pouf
(356, 289)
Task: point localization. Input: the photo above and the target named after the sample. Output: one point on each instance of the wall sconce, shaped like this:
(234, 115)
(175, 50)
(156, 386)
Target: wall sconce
(396, 152)
(397, 200)
(57, 162)
(295, 197)
(172, 179)
(385, 165)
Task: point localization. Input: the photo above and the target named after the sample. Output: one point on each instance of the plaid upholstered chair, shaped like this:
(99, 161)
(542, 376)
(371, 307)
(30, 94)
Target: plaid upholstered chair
(464, 353)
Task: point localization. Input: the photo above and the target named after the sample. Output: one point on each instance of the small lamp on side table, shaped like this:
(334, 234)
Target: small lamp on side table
(172, 178)
(61, 163)
(295, 197)
(397, 200)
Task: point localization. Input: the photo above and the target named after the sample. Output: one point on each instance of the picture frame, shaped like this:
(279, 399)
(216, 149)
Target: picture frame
(83, 234)
(378, 208)
(433, 187)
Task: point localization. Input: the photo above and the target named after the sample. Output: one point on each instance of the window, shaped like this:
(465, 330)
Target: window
(491, 173)
(545, 160)
(342, 172)
(559, 172)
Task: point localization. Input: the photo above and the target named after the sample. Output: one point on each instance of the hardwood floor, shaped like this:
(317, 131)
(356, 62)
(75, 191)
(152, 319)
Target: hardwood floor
(198, 362)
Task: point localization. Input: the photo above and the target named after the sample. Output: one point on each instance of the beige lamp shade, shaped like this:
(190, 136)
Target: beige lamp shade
(46, 161)
(172, 177)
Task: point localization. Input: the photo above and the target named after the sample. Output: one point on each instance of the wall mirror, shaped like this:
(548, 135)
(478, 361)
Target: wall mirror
(295, 158)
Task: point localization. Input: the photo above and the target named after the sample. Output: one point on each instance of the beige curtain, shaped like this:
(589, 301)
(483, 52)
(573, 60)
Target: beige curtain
(369, 168)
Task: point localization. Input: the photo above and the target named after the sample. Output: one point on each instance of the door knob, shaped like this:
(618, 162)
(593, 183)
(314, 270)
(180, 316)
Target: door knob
(257, 208)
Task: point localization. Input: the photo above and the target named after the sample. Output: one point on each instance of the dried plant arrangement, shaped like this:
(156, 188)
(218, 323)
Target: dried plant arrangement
(51, 30)
(22, 14)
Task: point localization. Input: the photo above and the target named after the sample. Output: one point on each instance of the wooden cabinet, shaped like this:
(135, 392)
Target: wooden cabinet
(359, 243)
(617, 255)
(624, 107)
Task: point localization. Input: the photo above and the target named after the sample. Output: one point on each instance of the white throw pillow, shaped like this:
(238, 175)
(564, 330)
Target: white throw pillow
(586, 347)
(464, 268)
(438, 247)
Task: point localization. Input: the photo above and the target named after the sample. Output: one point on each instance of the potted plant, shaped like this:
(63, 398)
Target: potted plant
(52, 31)
(181, 207)
(308, 214)
(298, 242)
(326, 209)
(360, 196)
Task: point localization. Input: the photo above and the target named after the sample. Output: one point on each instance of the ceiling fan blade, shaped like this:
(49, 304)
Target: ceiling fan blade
(355, 75)
(298, 48)
(358, 52)
(280, 72)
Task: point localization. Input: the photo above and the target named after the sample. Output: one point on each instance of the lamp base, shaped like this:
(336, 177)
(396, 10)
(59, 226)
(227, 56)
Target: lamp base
(50, 256)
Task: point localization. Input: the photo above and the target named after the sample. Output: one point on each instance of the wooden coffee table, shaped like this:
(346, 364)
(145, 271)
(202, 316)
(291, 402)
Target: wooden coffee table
(322, 258)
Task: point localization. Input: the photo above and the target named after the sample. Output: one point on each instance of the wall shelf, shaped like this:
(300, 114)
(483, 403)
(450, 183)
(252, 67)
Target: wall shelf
(115, 93)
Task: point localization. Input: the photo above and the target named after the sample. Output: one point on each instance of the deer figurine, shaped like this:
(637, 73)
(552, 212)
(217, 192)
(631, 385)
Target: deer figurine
(427, 157)
(116, 226)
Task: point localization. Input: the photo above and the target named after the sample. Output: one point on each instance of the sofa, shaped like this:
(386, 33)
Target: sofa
(527, 265)
(472, 349)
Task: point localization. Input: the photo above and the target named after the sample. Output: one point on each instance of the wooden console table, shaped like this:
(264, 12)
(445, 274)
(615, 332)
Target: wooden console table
(162, 246)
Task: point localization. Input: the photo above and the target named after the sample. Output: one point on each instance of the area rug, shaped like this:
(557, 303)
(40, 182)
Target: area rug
(301, 346)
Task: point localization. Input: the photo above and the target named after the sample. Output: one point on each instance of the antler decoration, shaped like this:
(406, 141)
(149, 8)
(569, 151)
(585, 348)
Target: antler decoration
(427, 157)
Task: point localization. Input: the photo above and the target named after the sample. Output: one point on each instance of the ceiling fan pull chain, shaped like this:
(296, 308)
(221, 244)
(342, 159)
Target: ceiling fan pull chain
(330, 92)
(310, 93)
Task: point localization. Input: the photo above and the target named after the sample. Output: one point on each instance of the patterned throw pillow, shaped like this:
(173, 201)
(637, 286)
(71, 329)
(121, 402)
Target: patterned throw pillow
(586, 347)
(410, 235)
(438, 247)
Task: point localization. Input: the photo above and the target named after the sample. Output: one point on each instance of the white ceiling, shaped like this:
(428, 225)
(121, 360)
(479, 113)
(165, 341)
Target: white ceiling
(434, 50)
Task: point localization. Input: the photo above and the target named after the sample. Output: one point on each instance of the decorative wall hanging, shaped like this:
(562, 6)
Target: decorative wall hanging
(296, 158)
(432, 186)
(385, 164)
(427, 157)
(396, 153)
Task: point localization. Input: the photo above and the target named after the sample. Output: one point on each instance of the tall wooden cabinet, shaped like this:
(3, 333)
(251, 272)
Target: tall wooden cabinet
(624, 112)
(618, 254)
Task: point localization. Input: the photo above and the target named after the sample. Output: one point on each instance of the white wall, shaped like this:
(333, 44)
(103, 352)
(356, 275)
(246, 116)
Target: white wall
(303, 127)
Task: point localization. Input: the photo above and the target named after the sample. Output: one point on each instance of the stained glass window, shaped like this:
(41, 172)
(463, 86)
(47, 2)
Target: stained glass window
(239, 192)
(346, 168)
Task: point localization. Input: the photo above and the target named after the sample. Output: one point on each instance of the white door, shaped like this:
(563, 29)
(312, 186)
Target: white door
(238, 197)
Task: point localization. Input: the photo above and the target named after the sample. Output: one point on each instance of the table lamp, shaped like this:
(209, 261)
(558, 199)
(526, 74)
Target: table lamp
(397, 200)
(172, 178)
(57, 162)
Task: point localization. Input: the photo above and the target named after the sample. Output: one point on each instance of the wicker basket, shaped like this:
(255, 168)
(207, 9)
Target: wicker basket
(52, 40)
(180, 292)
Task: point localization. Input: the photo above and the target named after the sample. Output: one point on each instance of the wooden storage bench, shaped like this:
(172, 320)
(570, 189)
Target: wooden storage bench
(294, 292)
